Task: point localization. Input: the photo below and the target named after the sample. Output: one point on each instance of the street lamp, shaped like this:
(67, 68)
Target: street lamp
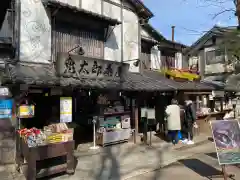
(79, 50)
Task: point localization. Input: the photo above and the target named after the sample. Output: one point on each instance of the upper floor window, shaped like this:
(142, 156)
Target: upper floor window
(145, 55)
(68, 36)
(214, 57)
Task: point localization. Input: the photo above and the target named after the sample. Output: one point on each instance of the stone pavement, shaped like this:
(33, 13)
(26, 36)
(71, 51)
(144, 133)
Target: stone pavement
(203, 166)
(126, 160)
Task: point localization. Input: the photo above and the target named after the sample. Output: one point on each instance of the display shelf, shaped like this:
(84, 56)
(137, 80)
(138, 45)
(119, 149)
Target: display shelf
(32, 155)
(116, 113)
(113, 137)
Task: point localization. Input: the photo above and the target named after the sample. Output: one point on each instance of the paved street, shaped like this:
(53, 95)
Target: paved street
(203, 166)
(140, 163)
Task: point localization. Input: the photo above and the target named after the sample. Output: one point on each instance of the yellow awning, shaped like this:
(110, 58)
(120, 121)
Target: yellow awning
(176, 73)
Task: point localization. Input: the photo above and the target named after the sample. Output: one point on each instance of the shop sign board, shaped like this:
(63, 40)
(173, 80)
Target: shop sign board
(226, 135)
(4, 91)
(26, 111)
(6, 108)
(143, 112)
(76, 66)
(65, 109)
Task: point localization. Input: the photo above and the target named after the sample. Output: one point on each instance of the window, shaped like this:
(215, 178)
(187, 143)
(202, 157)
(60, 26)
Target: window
(214, 57)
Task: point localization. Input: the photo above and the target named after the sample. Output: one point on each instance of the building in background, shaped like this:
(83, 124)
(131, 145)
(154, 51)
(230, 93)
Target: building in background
(212, 63)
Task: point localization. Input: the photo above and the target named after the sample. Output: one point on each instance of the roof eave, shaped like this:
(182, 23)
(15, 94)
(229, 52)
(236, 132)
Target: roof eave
(146, 12)
(59, 5)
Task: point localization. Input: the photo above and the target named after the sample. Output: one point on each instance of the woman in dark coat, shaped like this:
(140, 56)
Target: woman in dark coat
(189, 122)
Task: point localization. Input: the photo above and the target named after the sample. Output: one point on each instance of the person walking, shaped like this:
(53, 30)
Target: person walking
(173, 120)
(189, 122)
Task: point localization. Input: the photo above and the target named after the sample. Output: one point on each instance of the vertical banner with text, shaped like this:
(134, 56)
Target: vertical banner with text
(65, 109)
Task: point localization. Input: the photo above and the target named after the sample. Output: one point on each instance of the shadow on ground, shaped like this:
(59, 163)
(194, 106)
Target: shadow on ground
(201, 168)
(212, 155)
(113, 166)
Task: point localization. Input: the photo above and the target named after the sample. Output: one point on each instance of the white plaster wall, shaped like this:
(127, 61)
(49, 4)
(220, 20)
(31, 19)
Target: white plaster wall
(130, 38)
(178, 60)
(70, 2)
(155, 58)
(35, 37)
(193, 62)
(113, 45)
(92, 5)
(214, 68)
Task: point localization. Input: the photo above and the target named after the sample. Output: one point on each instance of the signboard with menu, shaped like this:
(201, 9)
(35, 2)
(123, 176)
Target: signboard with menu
(226, 135)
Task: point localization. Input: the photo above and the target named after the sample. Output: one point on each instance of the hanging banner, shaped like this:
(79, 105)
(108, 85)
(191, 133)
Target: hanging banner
(65, 109)
(226, 135)
(26, 111)
(6, 108)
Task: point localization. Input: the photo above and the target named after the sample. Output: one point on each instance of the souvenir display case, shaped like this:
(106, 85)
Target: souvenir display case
(38, 146)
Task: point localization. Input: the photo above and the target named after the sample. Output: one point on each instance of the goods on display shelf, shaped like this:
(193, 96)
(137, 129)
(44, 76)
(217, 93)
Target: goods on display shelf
(54, 133)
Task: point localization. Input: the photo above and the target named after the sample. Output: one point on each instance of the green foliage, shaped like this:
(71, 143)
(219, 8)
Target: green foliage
(230, 45)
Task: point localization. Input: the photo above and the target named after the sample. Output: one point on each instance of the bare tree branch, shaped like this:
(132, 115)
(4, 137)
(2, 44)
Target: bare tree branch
(222, 12)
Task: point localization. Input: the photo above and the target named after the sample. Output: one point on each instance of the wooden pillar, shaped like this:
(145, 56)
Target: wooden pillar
(135, 108)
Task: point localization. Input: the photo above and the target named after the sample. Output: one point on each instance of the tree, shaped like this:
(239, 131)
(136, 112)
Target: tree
(230, 45)
(236, 10)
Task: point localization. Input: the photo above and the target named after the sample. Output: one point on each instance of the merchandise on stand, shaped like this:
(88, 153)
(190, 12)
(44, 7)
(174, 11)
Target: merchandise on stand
(54, 133)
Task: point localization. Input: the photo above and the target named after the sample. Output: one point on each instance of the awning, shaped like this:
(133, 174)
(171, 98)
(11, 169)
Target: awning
(233, 83)
(185, 86)
(61, 5)
(183, 74)
(224, 82)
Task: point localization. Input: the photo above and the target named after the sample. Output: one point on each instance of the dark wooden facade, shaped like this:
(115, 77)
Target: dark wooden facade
(145, 55)
(7, 32)
(67, 35)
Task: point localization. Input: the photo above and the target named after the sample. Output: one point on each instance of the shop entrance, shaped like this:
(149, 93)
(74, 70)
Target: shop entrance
(47, 110)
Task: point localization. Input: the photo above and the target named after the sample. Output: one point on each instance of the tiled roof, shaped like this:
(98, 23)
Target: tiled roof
(147, 81)
(141, 82)
(46, 75)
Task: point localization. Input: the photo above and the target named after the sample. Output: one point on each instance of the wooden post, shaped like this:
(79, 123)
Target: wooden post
(136, 120)
(225, 176)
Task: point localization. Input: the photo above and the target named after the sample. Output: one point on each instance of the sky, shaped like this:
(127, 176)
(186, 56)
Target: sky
(191, 18)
